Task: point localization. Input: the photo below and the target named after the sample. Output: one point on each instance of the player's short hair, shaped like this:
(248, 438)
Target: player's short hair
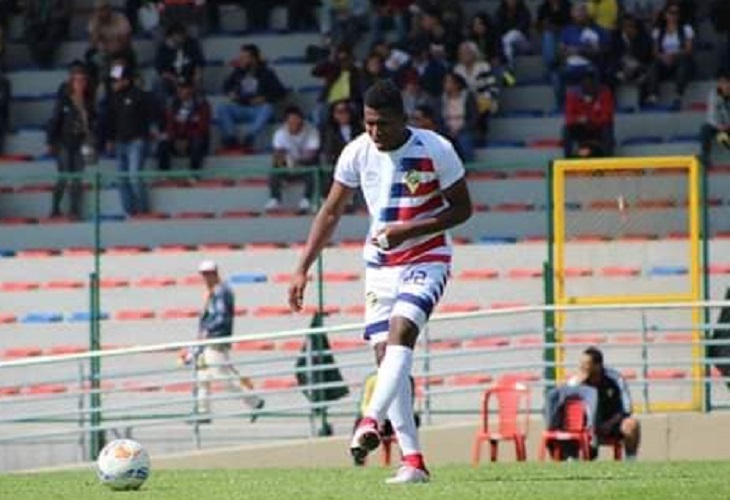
(384, 95)
(595, 354)
(293, 109)
(252, 49)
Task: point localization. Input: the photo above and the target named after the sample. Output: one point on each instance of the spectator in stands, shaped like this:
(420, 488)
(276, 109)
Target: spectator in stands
(425, 117)
(46, 25)
(130, 116)
(480, 80)
(579, 52)
(513, 20)
(589, 116)
(187, 127)
(673, 50)
(373, 70)
(413, 93)
(632, 54)
(395, 12)
(552, 17)
(110, 35)
(189, 13)
(431, 30)
(342, 80)
(301, 14)
(394, 59)
(483, 32)
(70, 139)
(720, 17)
(252, 90)
(687, 11)
(450, 13)
(429, 66)
(345, 21)
(604, 14)
(343, 126)
(179, 56)
(717, 125)
(296, 144)
(613, 419)
(459, 115)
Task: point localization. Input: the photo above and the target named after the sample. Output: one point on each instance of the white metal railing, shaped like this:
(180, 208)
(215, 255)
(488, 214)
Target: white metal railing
(27, 418)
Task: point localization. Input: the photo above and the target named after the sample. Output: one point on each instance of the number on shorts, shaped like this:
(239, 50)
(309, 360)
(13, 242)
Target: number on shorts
(416, 276)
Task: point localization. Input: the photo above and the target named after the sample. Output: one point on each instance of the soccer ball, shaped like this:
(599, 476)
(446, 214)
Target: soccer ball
(123, 464)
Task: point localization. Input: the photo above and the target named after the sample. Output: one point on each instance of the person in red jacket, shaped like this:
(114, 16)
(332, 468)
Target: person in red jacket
(589, 114)
(187, 128)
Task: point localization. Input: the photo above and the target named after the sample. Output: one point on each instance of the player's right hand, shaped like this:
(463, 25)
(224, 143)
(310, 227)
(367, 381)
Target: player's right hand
(296, 291)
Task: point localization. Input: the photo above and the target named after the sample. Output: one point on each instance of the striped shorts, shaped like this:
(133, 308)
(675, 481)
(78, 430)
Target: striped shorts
(410, 291)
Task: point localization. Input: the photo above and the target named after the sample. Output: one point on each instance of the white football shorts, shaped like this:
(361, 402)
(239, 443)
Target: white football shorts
(409, 291)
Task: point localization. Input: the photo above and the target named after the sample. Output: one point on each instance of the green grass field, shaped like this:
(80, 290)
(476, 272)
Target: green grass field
(614, 481)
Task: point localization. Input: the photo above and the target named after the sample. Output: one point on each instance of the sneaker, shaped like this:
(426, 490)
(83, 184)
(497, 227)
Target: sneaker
(272, 204)
(408, 474)
(304, 205)
(259, 406)
(365, 439)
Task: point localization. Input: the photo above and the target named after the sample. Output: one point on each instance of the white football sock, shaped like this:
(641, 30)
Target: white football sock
(401, 417)
(393, 371)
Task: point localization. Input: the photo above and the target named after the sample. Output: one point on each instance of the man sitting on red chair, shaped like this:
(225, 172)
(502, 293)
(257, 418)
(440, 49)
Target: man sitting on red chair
(613, 418)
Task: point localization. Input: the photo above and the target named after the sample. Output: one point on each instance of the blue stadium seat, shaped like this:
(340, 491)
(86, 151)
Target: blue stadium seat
(84, 317)
(668, 271)
(497, 240)
(41, 317)
(683, 138)
(243, 278)
(7, 253)
(642, 140)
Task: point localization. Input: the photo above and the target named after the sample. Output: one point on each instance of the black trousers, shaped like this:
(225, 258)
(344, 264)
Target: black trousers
(600, 140)
(197, 149)
(279, 176)
(70, 161)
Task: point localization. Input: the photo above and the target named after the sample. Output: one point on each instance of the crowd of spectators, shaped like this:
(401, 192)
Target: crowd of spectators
(451, 67)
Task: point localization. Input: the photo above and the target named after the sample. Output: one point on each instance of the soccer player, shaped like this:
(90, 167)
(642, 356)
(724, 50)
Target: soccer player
(414, 186)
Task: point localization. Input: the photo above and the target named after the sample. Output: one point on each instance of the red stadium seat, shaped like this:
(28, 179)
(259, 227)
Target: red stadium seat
(37, 253)
(637, 237)
(240, 311)
(545, 143)
(264, 245)
(478, 274)
(137, 386)
(253, 346)
(126, 250)
(174, 249)
(65, 349)
(719, 269)
(346, 243)
(193, 279)
(254, 181)
(18, 286)
(178, 387)
(513, 207)
(655, 204)
(7, 318)
(113, 283)
(193, 215)
(45, 389)
(585, 339)
(531, 340)
(355, 310)
(346, 344)
(150, 216)
(524, 272)
(63, 284)
(486, 175)
(22, 352)
(218, 247)
(678, 338)
(327, 309)
(214, 183)
(629, 339)
(290, 345)
(77, 252)
(432, 380)
(337, 277)
(444, 345)
(628, 374)
(487, 342)
(239, 214)
(508, 304)
(521, 377)
(577, 272)
(588, 238)
(180, 313)
(270, 311)
(9, 391)
(279, 383)
(527, 174)
(469, 380)
(666, 374)
(620, 271)
(458, 307)
(134, 314)
(155, 282)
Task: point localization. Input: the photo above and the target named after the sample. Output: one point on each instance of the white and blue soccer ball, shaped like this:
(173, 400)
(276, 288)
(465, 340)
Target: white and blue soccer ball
(123, 464)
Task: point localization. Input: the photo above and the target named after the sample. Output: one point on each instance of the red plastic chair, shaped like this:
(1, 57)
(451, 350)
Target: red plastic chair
(513, 409)
(574, 430)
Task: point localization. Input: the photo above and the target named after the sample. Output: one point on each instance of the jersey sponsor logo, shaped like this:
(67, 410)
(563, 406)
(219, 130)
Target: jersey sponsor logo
(412, 181)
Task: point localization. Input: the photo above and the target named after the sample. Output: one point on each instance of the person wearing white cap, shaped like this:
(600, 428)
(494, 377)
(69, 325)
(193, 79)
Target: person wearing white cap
(214, 362)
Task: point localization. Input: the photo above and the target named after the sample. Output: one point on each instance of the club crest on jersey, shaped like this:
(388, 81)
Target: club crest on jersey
(371, 300)
(413, 179)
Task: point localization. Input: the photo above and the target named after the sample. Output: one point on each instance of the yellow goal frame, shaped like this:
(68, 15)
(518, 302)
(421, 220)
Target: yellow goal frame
(692, 167)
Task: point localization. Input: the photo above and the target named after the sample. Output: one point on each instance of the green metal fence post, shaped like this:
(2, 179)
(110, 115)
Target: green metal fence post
(96, 437)
(548, 289)
(704, 241)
